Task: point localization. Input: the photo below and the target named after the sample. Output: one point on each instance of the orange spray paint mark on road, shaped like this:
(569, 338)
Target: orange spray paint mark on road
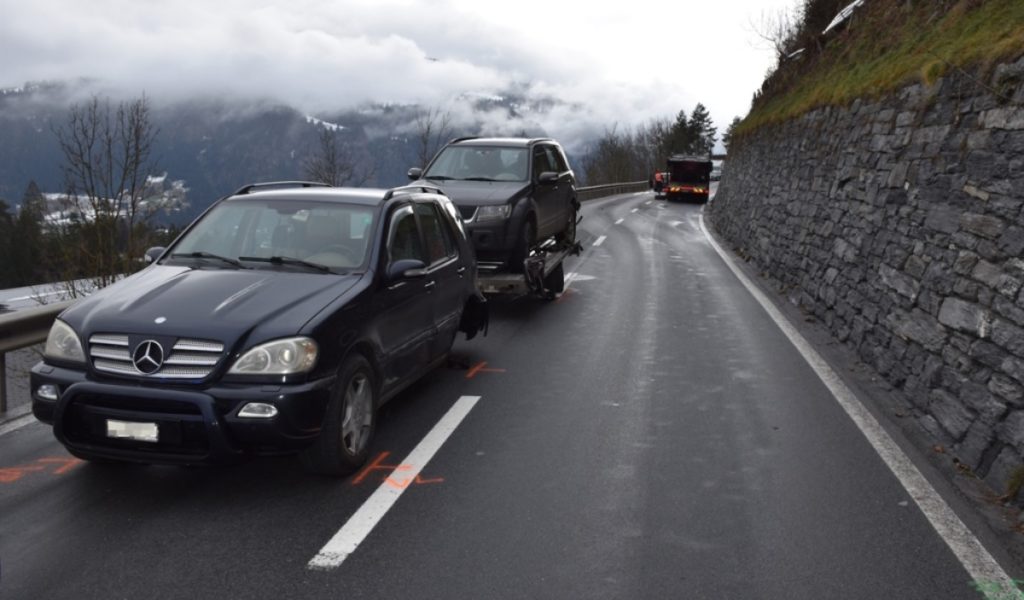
(401, 485)
(568, 292)
(12, 474)
(378, 465)
(63, 464)
(481, 368)
(66, 463)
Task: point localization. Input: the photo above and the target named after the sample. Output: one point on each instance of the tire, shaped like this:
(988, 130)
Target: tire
(568, 235)
(525, 241)
(344, 441)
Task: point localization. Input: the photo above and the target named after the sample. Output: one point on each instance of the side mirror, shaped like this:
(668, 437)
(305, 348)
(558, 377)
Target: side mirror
(406, 268)
(414, 173)
(547, 178)
(153, 253)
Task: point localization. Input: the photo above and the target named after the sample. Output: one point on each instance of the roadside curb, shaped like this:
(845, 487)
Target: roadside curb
(11, 420)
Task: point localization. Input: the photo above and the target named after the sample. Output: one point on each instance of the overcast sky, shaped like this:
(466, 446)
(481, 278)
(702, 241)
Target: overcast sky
(625, 61)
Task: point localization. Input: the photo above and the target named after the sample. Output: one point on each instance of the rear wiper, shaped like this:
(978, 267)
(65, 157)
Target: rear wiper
(230, 261)
(287, 260)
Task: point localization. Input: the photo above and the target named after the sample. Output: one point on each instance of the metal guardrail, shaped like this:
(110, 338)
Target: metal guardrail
(594, 192)
(21, 329)
(30, 326)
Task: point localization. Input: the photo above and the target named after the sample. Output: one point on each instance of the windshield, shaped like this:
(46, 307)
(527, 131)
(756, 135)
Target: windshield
(330, 234)
(480, 163)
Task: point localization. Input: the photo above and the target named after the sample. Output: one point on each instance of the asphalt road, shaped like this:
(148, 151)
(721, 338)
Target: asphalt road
(651, 434)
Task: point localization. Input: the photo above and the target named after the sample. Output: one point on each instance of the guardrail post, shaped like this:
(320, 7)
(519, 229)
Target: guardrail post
(3, 382)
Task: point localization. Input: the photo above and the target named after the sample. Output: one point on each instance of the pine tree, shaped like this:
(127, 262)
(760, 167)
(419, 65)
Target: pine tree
(26, 241)
(680, 136)
(703, 133)
(729, 132)
(6, 233)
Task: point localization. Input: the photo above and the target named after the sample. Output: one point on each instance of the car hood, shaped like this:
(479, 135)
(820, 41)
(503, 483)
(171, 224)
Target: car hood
(212, 304)
(480, 193)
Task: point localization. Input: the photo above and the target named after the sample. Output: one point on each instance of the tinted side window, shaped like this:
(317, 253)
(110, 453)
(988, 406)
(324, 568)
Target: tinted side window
(563, 164)
(542, 161)
(437, 235)
(404, 237)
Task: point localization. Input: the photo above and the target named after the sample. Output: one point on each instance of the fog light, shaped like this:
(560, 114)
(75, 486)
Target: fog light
(258, 410)
(47, 391)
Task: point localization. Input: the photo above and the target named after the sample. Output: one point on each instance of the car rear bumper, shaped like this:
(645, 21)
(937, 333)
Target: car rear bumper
(195, 426)
(687, 192)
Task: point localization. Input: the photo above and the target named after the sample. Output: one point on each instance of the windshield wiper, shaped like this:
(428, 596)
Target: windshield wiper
(437, 177)
(479, 179)
(287, 260)
(230, 261)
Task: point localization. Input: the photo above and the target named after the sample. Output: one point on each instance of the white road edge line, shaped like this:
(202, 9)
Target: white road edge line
(362, 522)
(600, 240)
(16, 424)
(981, 566)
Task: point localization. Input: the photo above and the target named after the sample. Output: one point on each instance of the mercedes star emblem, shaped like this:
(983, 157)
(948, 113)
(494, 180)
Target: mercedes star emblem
(148, 357)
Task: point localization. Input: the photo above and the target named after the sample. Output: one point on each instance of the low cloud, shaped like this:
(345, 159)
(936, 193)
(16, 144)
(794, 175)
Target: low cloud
(326, 57)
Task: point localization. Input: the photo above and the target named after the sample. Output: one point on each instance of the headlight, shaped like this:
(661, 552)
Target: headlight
(280, 357)
(63, 344)
(493, 213)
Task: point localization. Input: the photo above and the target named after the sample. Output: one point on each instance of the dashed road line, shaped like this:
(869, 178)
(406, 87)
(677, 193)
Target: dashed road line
(619, 222)
(960, 539)
(362, 522)
(600, 240)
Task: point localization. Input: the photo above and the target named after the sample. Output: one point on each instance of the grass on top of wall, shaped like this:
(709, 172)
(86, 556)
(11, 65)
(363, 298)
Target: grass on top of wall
(890, 44)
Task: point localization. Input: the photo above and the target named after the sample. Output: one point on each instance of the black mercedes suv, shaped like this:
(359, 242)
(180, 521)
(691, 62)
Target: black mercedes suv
(513, 193)
(279, 321)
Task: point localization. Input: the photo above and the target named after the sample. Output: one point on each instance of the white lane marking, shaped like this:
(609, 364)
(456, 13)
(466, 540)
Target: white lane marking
(635, 210)
(619, 222)
(648, 203)
(362, 522)
(968, 549)
(16, 424)
(600, 240)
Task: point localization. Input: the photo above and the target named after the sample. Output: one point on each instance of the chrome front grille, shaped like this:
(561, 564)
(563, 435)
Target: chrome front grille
(187, 359)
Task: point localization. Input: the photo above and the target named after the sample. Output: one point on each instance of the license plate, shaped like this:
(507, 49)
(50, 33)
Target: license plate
(130, 430)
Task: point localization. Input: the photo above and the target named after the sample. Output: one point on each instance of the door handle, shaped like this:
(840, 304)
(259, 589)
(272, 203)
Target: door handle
(461, 271)
(429, 286)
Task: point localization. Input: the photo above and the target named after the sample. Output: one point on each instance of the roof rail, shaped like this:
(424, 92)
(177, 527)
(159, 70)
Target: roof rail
(411, 189)
(278, 184)
(463, 139)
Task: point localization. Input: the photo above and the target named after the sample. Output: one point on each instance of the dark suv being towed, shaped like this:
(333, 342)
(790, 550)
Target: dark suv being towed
(279, 321)
(513, 193)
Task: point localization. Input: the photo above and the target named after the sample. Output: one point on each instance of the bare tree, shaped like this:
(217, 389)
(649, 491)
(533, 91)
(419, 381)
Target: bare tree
(107, 158)
(778, 30)
(433, 128)
(335, 164)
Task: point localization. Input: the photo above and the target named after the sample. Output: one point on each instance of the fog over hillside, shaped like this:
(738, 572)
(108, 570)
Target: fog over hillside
(217, 145)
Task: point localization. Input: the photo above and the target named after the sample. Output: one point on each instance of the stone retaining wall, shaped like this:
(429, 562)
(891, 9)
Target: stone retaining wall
(899, 223)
